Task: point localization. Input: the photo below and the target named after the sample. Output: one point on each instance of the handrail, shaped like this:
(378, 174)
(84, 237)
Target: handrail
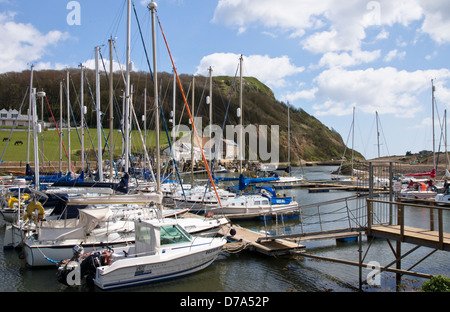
(401, 218)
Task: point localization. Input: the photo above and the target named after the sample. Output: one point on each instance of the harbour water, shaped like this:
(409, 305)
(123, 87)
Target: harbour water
(248, 271)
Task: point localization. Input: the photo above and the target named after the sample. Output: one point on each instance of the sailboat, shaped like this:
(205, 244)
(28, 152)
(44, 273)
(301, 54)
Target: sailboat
(288, 180)
(420, 188)
(264, 202)
(162, 250)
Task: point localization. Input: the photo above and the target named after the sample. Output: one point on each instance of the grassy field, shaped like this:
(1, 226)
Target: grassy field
(51, 144)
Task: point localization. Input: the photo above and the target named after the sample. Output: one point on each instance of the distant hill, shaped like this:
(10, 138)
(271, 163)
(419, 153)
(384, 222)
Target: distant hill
(315, 141)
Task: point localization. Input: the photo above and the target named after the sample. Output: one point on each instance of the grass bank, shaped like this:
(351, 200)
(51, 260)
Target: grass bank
(13, 151)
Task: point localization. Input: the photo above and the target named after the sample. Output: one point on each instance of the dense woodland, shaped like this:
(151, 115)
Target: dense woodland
(314, 140)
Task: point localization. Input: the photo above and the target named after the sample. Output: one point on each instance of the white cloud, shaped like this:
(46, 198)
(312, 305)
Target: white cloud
(303, 94)
(386, 89)
(271, 71)
(292, 15)
(90, 64)
(382, 35)
(23, 44)
(437, 20)
(394, 54)
(333, 25)
(345, 59)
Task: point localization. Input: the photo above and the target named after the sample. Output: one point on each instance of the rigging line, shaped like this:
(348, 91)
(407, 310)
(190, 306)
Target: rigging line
(103, 131)
(224, 119)
(384, 138)
(76, 128)
(14, 125)
(190, 115)
(74, 119)
(57, 129)
(159, 101)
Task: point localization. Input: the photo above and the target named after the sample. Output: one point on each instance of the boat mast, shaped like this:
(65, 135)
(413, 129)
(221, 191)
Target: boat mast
(127, 88)
(68, 122)
(152, 6)
(241, 116)
(35, 140)
(353, 137)
(289, 141)
(111, 115)
(99, 123)
(173, 121)
(29, 115)
(378, 134)
(60, 124)
(82, 117)
(210, 119)
(432, 120)
(192, 133)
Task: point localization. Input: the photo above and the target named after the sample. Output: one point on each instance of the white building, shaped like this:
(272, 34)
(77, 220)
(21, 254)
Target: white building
(13, 117)
(182, 149)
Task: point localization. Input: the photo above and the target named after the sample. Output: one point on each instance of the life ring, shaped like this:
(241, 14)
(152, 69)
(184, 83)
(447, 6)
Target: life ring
(24, 197)
(12, 201)
(31, 208)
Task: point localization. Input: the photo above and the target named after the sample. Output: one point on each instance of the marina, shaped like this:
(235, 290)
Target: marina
(179, 215)
(321, 232)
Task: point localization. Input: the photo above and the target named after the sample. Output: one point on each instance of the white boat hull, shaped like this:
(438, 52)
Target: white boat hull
(38, 254)
(251, 212)
(134, 271)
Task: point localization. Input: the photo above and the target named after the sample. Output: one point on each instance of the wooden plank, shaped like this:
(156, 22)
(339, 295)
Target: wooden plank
(413, 235)
(273, 247)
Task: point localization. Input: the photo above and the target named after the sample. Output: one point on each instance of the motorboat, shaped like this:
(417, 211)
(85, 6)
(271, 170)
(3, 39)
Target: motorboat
(419, 190)
(162, 250)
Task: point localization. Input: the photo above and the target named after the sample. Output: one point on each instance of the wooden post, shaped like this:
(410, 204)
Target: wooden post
(432, 216)
(401, 219)
(398, 265)
(441, 230)
(360, 260)
(369, 216)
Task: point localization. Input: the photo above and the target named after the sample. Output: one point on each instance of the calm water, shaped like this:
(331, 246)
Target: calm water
(251, 272)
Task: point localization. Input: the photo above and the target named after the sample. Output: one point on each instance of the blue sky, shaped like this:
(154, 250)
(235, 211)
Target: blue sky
(324, 56)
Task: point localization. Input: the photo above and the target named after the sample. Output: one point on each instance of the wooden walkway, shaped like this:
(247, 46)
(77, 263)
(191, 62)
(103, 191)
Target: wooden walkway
(259, 242)
(413, 235)
(434, 237)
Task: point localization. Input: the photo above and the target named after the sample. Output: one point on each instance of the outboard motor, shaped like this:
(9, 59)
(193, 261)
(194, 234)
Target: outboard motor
(82, 267)
(69, 272)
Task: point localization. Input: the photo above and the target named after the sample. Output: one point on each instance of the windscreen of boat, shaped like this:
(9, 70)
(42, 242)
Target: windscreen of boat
(171, 234)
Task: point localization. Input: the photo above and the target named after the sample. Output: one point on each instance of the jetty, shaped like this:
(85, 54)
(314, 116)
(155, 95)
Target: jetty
(242, 238)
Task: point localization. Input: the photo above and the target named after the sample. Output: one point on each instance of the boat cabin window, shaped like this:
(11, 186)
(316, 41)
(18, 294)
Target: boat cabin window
(265, 202)
(257, 202)
(143, 234)
(171, 234)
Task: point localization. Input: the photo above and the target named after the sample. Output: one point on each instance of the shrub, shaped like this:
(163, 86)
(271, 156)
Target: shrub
(437, 284)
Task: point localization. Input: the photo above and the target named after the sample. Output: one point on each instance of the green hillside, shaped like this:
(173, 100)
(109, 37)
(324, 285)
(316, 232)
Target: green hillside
(315, 141)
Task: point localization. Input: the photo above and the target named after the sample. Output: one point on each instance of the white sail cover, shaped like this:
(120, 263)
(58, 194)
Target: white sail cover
(56, 230)
(140, 198)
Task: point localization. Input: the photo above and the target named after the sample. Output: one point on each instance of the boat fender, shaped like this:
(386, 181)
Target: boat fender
(25, 197)
(232, 232)
(30, 211)
(209, 214)
(12, 201)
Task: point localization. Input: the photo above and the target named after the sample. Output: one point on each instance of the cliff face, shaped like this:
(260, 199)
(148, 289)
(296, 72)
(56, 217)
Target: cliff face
(310, 139)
